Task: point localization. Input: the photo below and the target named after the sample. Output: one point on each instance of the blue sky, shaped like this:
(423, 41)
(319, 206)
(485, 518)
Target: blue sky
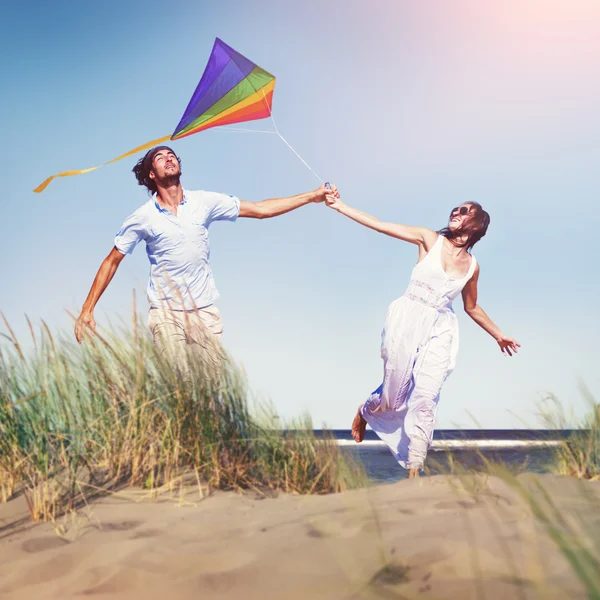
(411, 108)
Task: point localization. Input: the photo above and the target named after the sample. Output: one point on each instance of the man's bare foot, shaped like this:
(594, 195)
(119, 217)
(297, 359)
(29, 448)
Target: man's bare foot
(413, 473)
(359, 425)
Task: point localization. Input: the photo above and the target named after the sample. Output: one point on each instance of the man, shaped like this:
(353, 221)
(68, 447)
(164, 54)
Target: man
(174, 224)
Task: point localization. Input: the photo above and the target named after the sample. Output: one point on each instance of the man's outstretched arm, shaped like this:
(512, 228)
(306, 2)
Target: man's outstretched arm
(279, 206)
(105, 273)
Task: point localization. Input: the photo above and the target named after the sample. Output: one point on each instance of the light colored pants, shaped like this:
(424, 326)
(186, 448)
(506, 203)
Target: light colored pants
(418, 348)
(179, 334)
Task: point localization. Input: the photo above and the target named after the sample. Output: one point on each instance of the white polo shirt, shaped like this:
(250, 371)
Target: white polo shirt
(178, 247)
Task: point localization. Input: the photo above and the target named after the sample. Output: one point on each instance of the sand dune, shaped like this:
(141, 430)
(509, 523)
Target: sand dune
(413, 539)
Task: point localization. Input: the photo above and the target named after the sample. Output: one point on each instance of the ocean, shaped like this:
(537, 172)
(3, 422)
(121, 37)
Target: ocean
(520, 449)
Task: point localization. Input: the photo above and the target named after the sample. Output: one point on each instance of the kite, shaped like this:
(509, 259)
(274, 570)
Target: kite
(232, 89)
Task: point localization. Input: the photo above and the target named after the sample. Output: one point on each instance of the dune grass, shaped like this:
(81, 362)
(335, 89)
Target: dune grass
(76, 421)
(579, 454)
(578, 537)
(80, 420)
(576, 532)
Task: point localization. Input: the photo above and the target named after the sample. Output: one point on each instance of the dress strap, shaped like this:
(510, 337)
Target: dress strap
(439, 243)
(471, 268)
(435, 251)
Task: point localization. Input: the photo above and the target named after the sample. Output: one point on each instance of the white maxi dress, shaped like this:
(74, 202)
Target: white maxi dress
(419, 343)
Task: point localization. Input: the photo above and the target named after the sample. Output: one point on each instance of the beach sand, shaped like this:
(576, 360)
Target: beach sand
(412, 539)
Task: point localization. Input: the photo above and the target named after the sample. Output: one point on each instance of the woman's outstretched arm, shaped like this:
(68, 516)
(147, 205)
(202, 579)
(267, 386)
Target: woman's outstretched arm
(469, 294)
(407, 233)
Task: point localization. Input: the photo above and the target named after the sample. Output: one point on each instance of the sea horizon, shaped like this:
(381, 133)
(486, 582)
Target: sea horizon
(530, 450)
(468, 434)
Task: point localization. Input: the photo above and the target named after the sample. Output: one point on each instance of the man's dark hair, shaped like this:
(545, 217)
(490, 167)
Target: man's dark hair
(144, 166)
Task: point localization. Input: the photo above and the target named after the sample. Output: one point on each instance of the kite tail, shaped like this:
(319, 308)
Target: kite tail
(44, 185)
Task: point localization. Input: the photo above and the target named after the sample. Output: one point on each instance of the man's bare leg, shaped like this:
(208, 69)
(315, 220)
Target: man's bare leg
(413, 473)
(359, 425)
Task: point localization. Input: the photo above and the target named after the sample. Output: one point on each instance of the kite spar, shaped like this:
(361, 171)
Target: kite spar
(232, 90)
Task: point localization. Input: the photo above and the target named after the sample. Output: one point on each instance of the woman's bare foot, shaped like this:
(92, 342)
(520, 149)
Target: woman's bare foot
(359, 425)
(413, 473)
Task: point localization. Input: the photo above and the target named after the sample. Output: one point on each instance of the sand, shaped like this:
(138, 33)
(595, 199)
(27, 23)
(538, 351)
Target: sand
(412, 539)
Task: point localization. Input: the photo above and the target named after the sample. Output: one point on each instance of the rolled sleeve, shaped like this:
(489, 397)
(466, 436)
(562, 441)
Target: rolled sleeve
(223, 207)
(132, 232)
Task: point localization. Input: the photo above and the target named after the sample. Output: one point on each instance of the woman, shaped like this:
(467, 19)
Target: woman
(420, 336)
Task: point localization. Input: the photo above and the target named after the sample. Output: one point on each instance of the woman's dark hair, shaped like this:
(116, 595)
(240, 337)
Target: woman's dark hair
(473, 229)
(144, 166)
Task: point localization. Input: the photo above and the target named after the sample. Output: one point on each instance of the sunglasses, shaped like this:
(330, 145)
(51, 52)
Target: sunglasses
(461, 210)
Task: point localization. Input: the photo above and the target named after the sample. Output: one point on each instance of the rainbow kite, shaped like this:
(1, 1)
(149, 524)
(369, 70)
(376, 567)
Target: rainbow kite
(233, 89)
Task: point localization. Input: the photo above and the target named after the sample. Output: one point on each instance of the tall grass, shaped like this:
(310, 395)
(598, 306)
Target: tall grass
(574, 529)
(78, 420)
(579, 454)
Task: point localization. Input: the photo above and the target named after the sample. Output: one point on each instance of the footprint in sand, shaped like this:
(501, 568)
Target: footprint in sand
(135, 578)
(120, 526)
(214, 562)
(329, 528)
(391, 574)
(454, 504)
(314, 532)
(121, 579)
(42, 544)
(47, 569)
(147, 533)
(406, 511)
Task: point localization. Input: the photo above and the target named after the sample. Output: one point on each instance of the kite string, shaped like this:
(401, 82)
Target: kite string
(287, 143)
(305, 163)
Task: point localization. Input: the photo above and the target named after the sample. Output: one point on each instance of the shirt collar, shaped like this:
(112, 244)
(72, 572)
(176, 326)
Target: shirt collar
(164, 210)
